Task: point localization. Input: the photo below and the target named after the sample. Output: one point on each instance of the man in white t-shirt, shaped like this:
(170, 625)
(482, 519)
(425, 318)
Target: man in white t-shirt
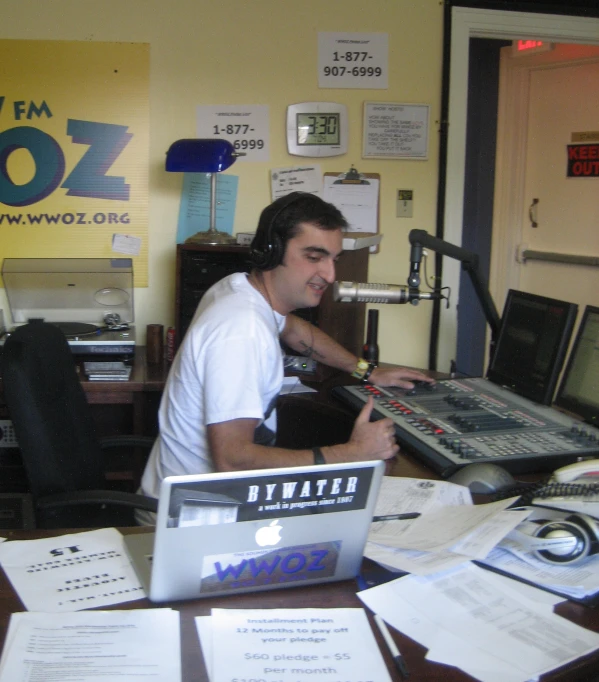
(217, 410)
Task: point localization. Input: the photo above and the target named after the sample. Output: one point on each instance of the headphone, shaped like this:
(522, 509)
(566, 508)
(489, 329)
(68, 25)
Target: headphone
(268, 246)
(564, 541)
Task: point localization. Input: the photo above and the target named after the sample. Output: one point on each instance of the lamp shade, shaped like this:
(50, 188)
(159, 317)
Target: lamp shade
(200, 156)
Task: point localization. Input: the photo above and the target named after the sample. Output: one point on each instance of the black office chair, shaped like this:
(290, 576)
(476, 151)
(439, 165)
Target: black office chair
(62, 454)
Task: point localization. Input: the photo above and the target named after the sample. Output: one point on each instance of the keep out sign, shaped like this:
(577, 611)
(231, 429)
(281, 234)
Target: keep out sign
(583, 160)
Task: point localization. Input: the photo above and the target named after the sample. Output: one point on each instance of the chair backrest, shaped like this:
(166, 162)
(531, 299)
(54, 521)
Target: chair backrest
(49, 411)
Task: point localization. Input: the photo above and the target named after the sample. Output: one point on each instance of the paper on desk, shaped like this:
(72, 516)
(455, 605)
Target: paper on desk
(71, 572)
(475, 545)
(578, 580)
(84, 646)
(459, 528)
(412, 561)
(468, 619)
(291, 645)
(517, 588)
(294, 385)
(402, 495)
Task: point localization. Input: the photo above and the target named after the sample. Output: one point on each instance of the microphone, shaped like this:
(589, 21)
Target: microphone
(362, 292)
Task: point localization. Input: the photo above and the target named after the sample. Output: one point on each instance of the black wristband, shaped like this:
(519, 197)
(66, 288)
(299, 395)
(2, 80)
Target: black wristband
(371, 368)
(318, 456)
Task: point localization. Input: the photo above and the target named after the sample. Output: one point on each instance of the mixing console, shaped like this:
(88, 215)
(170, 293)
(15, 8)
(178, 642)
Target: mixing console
(458, 421)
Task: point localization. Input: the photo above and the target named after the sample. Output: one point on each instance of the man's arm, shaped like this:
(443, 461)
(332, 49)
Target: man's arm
(232, 447)
(313, 342)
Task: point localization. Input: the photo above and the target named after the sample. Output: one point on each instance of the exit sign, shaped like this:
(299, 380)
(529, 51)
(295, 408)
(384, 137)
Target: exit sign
(527, 46)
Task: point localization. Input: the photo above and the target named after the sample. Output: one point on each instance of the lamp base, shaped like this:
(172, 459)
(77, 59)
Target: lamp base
(211, 237)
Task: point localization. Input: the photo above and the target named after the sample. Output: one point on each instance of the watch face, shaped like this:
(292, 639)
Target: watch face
(318, 129)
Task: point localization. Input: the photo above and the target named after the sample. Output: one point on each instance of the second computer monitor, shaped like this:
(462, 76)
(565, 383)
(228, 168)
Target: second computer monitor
(532, 344)
(579, 389)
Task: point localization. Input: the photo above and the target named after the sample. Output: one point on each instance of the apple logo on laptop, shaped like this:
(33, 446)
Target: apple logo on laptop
(269, 535)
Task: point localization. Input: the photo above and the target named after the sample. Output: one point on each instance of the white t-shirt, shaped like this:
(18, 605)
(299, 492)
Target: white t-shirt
(229, 366)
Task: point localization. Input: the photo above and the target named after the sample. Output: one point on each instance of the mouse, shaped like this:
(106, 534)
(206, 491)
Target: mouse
(483, 477)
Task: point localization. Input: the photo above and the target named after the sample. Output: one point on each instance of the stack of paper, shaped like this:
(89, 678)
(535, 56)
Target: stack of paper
(71, 572)
(92, 644)
(107, 371)
(493, 628)
(577, 581)
(449, 531)
(290, 644)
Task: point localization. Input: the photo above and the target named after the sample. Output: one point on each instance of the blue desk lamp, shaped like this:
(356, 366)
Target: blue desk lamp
(209, 156)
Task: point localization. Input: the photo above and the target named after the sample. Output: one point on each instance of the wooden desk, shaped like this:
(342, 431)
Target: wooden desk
(335, 595)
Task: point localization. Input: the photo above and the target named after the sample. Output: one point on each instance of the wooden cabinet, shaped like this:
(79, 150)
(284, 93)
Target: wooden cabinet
(200, 266)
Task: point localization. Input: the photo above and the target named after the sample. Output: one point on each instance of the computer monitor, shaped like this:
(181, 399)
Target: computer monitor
(532, 344)
(579, 389)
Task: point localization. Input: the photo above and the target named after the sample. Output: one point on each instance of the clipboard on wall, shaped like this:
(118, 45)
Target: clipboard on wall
(356, 195)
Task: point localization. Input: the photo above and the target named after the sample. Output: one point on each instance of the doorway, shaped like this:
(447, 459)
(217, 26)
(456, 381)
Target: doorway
(470, 23)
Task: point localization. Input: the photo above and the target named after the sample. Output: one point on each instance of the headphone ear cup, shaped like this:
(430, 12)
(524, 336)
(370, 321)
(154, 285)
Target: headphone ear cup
(276, 251)
(260, 257)
(577, 542)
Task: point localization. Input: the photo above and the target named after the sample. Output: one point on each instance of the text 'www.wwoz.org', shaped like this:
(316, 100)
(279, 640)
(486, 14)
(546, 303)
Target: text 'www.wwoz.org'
(62, 219)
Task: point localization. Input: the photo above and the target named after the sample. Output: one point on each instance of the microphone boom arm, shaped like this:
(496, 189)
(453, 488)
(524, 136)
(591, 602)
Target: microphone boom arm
(470, 263)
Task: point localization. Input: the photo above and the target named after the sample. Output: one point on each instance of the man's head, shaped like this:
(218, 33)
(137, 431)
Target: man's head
(295, 249)
(281, 221)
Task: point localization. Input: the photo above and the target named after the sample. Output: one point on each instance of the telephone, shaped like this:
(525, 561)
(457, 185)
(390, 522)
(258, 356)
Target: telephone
(573, 488)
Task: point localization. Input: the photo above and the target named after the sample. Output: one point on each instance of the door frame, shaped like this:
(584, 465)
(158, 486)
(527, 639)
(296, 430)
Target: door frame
(469, 23)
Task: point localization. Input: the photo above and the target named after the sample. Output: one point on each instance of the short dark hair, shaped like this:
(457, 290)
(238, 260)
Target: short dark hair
(280, 221)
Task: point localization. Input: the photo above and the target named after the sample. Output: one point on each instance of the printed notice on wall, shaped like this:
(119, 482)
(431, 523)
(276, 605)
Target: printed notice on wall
(353, 60)
(244, 126)
(395, 131)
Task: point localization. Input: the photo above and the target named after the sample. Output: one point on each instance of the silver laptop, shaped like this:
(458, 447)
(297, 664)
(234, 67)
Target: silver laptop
(248, 531)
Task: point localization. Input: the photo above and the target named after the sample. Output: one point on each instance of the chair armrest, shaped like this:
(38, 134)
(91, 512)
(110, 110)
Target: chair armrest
(128, 441)
(109, 497)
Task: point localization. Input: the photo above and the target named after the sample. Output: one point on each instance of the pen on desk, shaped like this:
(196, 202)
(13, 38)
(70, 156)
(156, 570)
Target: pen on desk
(397, 517)
(397, 657)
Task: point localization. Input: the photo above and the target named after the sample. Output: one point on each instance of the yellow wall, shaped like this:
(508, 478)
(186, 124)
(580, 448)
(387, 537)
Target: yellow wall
(264, 52)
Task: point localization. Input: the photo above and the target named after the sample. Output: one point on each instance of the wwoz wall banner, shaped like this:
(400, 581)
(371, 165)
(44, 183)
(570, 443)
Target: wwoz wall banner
(74, 149)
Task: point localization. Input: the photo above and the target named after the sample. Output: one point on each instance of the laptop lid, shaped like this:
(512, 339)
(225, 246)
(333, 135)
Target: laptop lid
(249, 531)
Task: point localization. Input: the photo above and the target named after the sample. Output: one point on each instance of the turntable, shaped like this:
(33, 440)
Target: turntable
(89, 299)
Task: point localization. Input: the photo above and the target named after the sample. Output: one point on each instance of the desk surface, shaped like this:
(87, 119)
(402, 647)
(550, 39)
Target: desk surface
(336, 595)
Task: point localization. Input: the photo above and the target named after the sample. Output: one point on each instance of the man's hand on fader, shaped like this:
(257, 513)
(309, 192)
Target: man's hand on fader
(397, 376)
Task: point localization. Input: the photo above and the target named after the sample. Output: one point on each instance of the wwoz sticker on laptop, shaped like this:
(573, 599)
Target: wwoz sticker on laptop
(273, 567)
(267, 497)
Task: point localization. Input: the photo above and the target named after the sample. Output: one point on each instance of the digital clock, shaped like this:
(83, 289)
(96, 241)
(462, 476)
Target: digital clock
(317, 129)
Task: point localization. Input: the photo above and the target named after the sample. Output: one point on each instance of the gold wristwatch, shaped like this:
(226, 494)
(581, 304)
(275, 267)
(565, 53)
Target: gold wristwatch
(361, 370)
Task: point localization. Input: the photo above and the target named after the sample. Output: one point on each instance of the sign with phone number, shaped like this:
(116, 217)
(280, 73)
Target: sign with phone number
(245, 126)
(353, 60)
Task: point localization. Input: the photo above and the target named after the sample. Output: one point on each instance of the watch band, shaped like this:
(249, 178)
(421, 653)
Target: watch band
(369, 371)
(318, 456)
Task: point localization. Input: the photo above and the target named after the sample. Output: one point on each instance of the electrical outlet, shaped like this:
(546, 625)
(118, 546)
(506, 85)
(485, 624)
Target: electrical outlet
(405, 201)
(8, 438)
